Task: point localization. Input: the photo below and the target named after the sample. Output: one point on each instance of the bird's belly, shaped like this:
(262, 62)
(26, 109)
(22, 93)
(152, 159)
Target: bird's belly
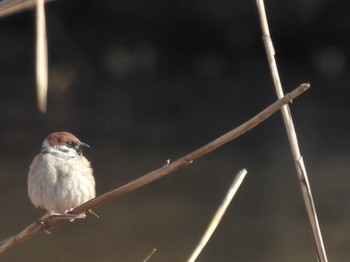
(61, 192)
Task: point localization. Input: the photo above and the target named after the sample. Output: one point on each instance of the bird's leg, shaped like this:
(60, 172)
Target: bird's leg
(43, 223)
(43, 226)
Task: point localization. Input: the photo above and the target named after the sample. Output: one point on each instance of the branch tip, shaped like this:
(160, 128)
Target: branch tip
(306, 86)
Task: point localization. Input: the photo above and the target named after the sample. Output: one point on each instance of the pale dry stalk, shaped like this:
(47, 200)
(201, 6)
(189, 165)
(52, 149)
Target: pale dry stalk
(293, 141)
(41, 56)
(218, 214)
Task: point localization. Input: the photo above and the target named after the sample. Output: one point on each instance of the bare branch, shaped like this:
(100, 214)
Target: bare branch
(219, 214)
(292, 136)
(46, 223)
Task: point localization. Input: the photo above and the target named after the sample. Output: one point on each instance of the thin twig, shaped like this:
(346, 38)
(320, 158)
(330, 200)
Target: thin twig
(41, 56)
(219, 214)
(37, 228)
(288, 121)
(10, 7)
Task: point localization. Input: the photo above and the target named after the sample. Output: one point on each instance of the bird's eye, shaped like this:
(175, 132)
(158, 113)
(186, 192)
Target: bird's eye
(69, 144)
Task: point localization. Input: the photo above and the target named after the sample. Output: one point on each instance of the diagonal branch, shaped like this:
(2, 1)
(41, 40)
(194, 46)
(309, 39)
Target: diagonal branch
(37, 227)
(293, 140)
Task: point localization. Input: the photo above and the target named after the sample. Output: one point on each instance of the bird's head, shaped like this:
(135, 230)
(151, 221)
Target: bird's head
(63, 144)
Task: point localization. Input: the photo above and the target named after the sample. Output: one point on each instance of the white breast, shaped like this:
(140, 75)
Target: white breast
(59, 184)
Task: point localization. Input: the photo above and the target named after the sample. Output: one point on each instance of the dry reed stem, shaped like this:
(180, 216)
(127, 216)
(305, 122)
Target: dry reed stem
(149, 256)
(37, 228)
(219, 214)
(41, 56)
(10, 7)
(293, 141)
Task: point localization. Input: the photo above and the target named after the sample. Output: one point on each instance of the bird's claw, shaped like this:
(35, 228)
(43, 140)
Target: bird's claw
(71, 217)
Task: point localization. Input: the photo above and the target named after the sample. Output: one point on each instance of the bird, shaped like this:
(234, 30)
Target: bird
(60, 178)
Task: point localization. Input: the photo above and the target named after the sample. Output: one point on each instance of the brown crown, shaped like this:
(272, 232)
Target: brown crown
(60, 138)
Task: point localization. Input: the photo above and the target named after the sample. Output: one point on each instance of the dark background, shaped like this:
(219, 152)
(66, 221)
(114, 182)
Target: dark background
(146, 81)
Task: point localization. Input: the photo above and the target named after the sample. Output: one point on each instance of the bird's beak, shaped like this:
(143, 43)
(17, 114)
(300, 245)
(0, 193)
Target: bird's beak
(81, 146)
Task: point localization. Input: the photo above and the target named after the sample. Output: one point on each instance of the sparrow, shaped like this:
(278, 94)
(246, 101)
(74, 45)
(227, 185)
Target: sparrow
(60, 178)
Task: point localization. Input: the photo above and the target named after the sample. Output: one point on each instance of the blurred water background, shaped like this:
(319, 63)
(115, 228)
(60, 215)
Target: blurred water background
(146, 81)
